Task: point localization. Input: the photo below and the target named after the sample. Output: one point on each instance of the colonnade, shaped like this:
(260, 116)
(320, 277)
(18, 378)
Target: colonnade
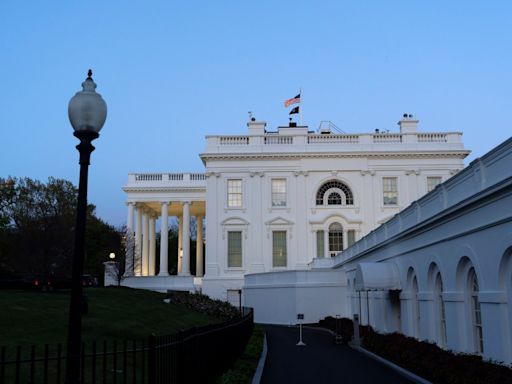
(143, 231)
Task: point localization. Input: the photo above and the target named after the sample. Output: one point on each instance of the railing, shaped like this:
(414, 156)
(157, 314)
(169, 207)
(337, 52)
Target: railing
(197, 176)
(234, 140)
(432, 138)
(175, 176)
(271, 140)
(196, 355)
(333, 139)
(148, 177)
(387, 138)
(181, 178)
(275, 138)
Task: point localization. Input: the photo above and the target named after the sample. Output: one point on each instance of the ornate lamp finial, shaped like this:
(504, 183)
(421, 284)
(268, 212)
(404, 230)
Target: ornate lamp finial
(89, 74)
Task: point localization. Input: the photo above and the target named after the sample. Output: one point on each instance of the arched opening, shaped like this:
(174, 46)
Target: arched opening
(335, 239)
(476, 316)
(439, 310)
(505, 280)
(334, 199)
(334, 192)
(415, 307)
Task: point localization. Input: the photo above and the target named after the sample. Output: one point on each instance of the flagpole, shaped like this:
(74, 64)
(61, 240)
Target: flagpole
(300, 109)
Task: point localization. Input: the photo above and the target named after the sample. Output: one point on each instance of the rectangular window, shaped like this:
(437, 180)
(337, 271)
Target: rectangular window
(390, 190)
(320, 250)
(279, 249)
(351, 237)
(432, 182)
(235, 249)
(234, 193)
(278, 192)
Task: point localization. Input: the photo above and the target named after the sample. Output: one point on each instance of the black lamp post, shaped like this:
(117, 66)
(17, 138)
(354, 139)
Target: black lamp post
(87, 113)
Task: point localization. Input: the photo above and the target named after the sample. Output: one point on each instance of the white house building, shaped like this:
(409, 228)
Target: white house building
(273, 201)
(385, 225)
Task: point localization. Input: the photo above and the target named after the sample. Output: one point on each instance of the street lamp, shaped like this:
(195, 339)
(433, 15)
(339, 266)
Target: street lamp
(112, 255)
(87, 112)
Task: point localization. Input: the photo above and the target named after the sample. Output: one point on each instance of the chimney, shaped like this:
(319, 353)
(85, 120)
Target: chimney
(408, 124)
(256, 127)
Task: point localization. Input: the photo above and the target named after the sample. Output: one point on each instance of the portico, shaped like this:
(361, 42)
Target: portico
(152, 200)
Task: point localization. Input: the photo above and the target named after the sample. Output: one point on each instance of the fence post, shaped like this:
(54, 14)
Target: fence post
(152, 359)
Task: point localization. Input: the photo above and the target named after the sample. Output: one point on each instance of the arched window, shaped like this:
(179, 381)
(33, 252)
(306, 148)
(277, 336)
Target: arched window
(415, 308)
(335, 239)
(334, 192)
(334, 199)
(476, 316)
(439, 303)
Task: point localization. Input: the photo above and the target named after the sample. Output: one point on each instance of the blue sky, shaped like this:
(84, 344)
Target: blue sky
(172, 72)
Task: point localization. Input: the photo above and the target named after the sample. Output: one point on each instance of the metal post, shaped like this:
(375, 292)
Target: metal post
(368, 308)
(356, 340)
(75, 308)
(240, 301)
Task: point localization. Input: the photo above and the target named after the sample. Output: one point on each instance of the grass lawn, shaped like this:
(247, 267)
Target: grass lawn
(114, 313)
(245, 367)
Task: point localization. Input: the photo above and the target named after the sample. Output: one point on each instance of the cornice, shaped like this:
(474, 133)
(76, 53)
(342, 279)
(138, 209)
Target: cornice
(457, 154)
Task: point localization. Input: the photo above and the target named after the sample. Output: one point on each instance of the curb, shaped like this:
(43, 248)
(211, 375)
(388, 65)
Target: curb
(404, 372)
(261, 363)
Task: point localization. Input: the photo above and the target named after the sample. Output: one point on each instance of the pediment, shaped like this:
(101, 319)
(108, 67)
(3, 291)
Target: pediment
(234, 221)
(279, 221)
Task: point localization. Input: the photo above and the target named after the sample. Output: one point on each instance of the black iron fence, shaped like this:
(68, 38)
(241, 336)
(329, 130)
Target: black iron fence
(197, 355)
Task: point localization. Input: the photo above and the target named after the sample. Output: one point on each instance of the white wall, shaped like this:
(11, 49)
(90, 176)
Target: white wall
(466, 223)
(278, 297)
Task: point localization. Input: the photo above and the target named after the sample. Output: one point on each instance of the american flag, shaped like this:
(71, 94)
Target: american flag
(291, 101)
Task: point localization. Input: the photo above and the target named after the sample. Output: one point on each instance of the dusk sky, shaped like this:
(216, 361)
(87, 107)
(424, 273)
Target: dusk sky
(172, 72)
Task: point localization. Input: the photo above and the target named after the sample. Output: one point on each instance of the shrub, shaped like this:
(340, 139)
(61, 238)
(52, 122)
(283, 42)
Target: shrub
(216, 308)
(425, 359)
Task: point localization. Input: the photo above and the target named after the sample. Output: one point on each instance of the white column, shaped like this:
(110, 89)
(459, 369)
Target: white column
(129, 243)
(152, 245)
(180, 243)
(327, 251)
(199, 246)
(137, 264)
(145, 243)
(185, 262)
(129, 221)
(164, 242)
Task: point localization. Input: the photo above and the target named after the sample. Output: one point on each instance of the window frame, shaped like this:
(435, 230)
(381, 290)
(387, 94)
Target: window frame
(230, 194)
(388, 193)
(229, 232)
(430, 188)
(285, 234)
(273, 193)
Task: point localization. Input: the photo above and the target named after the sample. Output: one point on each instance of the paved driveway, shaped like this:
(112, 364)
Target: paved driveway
(320, 361)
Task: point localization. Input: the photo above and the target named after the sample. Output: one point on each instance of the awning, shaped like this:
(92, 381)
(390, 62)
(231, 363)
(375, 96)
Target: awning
(377, 277)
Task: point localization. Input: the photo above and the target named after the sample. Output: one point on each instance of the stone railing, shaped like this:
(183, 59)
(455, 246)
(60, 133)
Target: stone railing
(333, 139)
(166, 179)
(451, 140)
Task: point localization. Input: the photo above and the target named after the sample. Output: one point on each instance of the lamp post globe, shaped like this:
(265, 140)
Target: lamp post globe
(87, 110)
(87, 113)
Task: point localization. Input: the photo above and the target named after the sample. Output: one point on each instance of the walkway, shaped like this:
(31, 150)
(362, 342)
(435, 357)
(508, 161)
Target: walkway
(320, 361)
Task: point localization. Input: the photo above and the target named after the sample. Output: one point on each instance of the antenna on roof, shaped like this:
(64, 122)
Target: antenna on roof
(327, 126)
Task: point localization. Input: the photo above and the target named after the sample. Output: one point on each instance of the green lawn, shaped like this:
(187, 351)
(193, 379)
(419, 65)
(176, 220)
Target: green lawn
(114, 313)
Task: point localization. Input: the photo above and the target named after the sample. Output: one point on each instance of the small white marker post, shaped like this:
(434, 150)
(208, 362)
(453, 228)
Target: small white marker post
(300, 316)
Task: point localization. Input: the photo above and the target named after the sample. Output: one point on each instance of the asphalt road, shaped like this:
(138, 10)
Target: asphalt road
(320, 361)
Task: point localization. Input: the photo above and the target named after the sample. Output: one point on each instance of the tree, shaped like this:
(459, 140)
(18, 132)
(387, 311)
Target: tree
(37, 223)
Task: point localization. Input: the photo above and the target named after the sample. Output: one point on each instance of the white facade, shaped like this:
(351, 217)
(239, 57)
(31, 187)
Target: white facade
(282, 210)
(273, 201)
(441, 270)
